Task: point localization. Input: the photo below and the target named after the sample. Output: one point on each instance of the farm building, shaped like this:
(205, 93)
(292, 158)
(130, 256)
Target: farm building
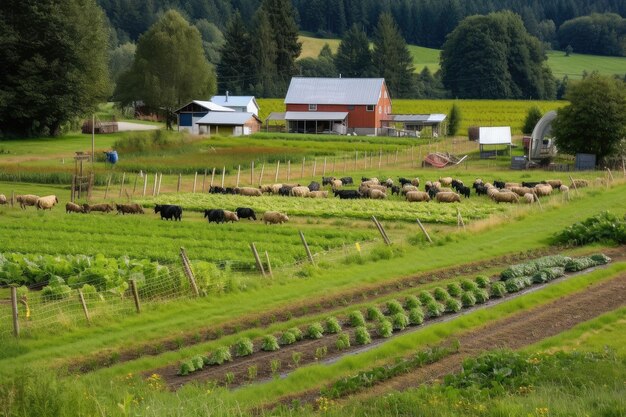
(413, 124)
(335, 105)
(228, 123)
(244, 104)
(191, 113)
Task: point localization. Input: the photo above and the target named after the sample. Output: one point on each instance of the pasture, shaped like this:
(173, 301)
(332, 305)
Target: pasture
(121, 362)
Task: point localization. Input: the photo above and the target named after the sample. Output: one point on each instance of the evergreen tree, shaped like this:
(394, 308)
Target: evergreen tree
(595, 120)
(532, 117)
(54, 64)
(454, 120)
(212, 40)
(169, 68)
(392, 58)
(235, 72)
(264, 47)
(354, 58)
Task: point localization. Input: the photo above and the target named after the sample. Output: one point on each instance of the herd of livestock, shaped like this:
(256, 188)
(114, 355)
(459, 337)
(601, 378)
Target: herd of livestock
(444, 190)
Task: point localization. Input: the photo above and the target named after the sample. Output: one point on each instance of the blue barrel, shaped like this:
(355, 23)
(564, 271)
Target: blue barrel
(112, 157)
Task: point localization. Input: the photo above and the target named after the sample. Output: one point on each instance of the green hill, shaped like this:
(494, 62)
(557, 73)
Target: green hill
(572, 66)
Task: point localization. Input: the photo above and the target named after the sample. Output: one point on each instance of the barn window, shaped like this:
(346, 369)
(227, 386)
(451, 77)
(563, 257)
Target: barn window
(351, 107)
(312, 107)
(369, 107)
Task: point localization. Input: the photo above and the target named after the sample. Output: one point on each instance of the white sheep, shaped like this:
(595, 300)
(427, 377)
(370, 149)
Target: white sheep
(318, 194)
(275, 188)
(336, 184)
(448, 197)
(564, 188)
(543, 190)
(3, 199)
(505, 198)
(274, 217)
(554, 183)
(377, 194)
(27, 200)
(521, 191)
(299, 191)
(415, 181)
(73, 208)
(529, 198)
(248, 191)
(417, 196)
(230, 216)
(447, 181)
(46, 202)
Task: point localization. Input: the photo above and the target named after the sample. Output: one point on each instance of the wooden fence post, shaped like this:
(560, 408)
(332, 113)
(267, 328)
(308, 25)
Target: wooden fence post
(212, 178)
(12, 198)
(238, 175)
(84, 305)
(16, 323)
(314, 166)
(223, 174)
(145, 185)
(154, 187)
(133, 288)
(204, 182)
(257, 259)
(180, 180)
(424, 230)
(252, 173)
(188, 271)
(381, 230)
(122, 186)
(277, 170)
(356, 157)
(302, 170)
(261, 175)
(72, 192)
(135, 185)
(195, 178)
(306, 247)
(269, 265)
(334, 160)
(380, 157)
(574, 184)
(160, 179)
(459, 218)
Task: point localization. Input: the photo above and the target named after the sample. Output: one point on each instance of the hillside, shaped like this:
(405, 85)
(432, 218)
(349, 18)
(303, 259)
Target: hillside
(572, 66)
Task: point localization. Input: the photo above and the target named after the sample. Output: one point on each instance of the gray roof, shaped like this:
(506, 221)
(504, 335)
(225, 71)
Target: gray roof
(310, 90)
(208, 105)
(234, 101)
(316, 115)
(223, 118)
(419, 118)
(276, 116)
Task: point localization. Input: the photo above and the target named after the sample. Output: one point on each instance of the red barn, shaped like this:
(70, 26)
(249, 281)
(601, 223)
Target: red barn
(337, 105)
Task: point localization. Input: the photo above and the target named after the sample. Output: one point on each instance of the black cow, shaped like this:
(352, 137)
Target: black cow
(404, 181)
(314, 186)
(327, 180)
(169, 211)
(214, 215)
(347, 180)
(245, 213)
(463, 190)
(347, 194)
(395, 189)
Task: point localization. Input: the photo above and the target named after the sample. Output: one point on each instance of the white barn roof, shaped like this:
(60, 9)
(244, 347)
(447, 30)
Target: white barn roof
(419, 118)
(207, 105)
(351, 91)
(235, 101)
(220, 118)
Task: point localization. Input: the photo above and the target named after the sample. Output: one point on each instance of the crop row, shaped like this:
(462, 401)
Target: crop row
(396, 315)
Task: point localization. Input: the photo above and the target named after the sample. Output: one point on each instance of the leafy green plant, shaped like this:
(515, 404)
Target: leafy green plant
(219, 356)
(498, 289)
(275, 365)
(343, 341)
(440, 294)
(296, 332)
(548, 274)
(374, 313)
(434, 309)
(468, 299)
(296, 357)
(198, 362)
(394, 307)
(468, 285)
(356, 318)
(453, 305)
(287, 338)
(269, 343)
(416, 316)
(315, 331)
(252, 372)
(186, 368)
(425, 297)
(481, 295)
(529, 268)
(603, 227)
(384, 328)
(321, 352)
(399, 321)
(332, 325)
(411, 302)
(229, 378)
(244, 347)
(454, 289)
(578, 264)
(482, 281)
(600, 259)
(515, 284)
(362, 336)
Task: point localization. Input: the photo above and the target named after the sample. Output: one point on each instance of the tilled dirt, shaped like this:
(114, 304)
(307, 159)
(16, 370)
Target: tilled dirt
(522, 329)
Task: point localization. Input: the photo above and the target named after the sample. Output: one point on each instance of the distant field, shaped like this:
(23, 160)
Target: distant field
(572, 66)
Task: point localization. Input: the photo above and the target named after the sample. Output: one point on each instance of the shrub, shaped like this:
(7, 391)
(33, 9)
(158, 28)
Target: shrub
(320, 353)
(253, 370)
(394, 307)
(603, 227)
(482, 281)
(198, 362)
(416, 316)
(270, 343)
(219, 356)
(315, 331)
(296, 357)
(411, 302)
(362, 336)
(598, 258)
(548, 274)
(275, 366)
(434, 309)
(384, 328)
(287, 338)
(529, 268)
(332, 325)
(454, 289)
(441, 294)
(498, 289)
(343, 341)
(468, 299)
(356, 319)
(453, 305)
(481, 295)
(244, 347)
(468, 285)
(399, 321)
(373, 313)
(425, 297)
(186, 368)
(296, 332)
(578, 264)
(514, 284)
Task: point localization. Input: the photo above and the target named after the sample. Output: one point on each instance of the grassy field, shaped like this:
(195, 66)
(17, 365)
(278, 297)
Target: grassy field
(573, 66)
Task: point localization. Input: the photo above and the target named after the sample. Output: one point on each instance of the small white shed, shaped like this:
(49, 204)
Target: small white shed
(494, 136)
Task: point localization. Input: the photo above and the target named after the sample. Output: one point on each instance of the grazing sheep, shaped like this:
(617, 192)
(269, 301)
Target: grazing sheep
(346, 180)
(406, 188)
(214, 215)
(436, 184)
(388, 183)
(499, 184)
(132, 208)
(427, 185)
(336, 184)
(285, 190)
(73, 208)
(520, 191)
(3, 199)
(274, 217)
(265, 188)
(245, 213)
(501, 197)
(554, 183)
(104, 207)
(46, 202)
(492, 191)
(417, 196)
(447, 181)
(377, 194)
(448, 197)
(444, 190)
(299, 191)
(415, 181)
(318, 194)
(369, 183)
(564, 188)
(477, 182)
(579, 183)
(230, 216)
(529, 198)
(27, 200)
(248, 191)
(510, 185)
(275, 188)
(395, 190)
(543, 190)
(327, 180)
(464, 191)
(314, 186)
